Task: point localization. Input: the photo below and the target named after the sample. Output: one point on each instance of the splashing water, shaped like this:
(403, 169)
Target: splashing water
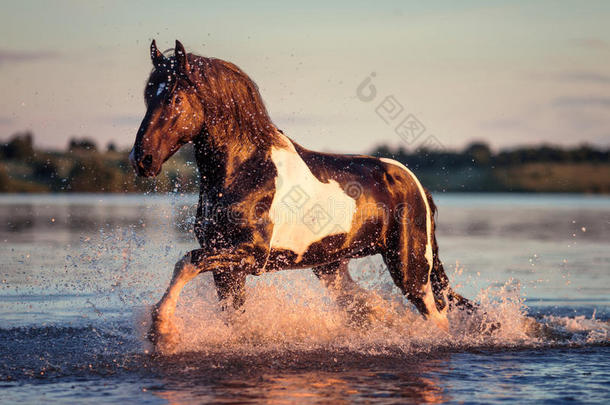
(291, 312)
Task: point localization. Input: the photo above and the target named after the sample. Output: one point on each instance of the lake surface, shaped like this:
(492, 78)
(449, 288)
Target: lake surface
(80, 272)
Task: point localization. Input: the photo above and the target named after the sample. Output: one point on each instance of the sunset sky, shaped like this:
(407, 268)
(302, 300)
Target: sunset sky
(508, 73)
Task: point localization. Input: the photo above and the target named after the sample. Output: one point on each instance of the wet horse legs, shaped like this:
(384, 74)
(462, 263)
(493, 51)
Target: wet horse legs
(410, 262)
(162, 329)
(231, 286)
(347, 293)
(228, 282)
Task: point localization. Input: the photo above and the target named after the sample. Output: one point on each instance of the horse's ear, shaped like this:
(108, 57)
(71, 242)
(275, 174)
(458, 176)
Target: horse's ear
(155, 55)
(181, 59)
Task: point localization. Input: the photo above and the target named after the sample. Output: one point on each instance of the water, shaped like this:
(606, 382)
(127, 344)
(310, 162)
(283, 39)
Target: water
(79, 273)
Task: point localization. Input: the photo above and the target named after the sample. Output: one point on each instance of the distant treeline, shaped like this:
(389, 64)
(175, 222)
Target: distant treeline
(583, 169)
(84, 167)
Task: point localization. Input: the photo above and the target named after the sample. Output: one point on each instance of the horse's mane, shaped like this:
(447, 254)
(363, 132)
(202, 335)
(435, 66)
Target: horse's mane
(233, 106)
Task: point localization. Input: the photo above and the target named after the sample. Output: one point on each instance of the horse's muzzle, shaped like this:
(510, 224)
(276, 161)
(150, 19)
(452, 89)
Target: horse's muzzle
(144, 167)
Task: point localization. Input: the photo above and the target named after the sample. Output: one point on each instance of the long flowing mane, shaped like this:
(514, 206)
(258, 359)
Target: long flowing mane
(233, 107)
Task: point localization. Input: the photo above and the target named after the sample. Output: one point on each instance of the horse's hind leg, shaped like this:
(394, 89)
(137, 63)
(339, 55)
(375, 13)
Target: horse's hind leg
(439, 280)
(443, 292)
(408, 258)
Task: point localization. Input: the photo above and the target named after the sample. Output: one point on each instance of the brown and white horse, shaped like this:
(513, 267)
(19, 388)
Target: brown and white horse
(266, 203)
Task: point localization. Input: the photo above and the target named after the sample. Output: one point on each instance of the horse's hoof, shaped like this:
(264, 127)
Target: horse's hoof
(166, 345)
(164, 336)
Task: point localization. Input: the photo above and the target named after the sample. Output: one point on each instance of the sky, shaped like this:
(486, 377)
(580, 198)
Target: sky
(339, 76)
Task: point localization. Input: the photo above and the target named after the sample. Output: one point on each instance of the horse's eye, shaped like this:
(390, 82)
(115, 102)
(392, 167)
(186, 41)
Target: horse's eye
(177, 100)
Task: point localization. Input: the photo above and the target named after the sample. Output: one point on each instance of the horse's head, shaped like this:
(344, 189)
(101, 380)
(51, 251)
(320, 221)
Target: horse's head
(174, 114)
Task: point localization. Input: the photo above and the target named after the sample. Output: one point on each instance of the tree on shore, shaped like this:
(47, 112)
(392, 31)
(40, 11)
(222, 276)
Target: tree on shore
(82, 144)
(19, 147)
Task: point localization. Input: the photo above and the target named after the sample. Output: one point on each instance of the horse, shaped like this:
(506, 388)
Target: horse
(266, 203)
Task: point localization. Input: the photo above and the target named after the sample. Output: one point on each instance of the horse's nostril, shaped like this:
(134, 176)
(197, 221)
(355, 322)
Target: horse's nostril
(147, 161)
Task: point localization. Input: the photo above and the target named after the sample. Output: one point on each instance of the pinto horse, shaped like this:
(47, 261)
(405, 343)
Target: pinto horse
(266, 203)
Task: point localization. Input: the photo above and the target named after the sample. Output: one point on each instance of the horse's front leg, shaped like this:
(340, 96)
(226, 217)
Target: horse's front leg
(162, 332)
(337, 279)
(347, 293)
(231, 287)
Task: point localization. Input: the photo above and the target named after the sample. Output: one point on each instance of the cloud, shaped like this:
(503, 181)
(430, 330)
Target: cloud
(592, 43)
(568, 119)
(587, 101)
(582, 76)
(8, 56)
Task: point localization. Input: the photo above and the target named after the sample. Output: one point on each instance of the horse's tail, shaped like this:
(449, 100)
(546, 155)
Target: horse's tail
(438, 277)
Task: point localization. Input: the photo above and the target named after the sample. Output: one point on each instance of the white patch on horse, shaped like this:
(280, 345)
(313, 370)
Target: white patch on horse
(305, 210)
(161, 88)
(429, 255)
